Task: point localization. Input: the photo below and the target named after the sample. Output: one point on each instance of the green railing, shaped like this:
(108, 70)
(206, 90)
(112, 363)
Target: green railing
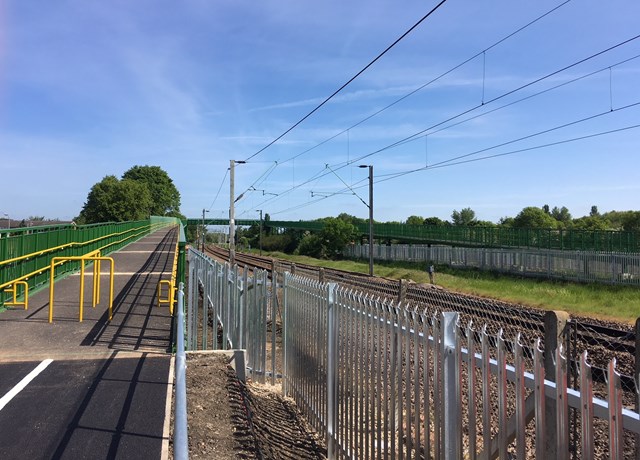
(494, 237)
(25, 253)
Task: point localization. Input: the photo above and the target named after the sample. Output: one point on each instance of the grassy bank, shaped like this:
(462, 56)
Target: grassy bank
(619, 303)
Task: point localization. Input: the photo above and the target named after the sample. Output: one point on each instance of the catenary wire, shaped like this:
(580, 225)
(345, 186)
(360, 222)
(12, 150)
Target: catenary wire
(421, 87)
(219, 188)
(439, 124)
(348, 82)
(528, 149)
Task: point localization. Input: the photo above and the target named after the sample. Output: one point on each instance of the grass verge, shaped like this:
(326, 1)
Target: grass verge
(609, 302)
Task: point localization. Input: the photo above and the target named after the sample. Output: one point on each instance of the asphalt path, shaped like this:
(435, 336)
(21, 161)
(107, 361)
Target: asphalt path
(104, 392)
(86, 409)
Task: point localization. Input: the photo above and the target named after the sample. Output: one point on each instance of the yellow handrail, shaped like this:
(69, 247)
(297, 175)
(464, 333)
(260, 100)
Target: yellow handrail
(78, 243)
(172, 283)
(91, 256)
(14, 290)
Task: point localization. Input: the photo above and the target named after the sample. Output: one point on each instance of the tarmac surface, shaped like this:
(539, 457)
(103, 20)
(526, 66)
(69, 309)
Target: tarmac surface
(94, 389)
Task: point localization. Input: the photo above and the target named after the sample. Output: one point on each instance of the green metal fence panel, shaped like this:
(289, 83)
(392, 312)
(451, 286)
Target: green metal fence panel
(41, 244)
(496, 237)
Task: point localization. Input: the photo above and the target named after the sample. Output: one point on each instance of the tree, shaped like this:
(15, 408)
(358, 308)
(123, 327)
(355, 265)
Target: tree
(631, 221)
(335, 235)
(506, 221)
(466, 216)
(164, 195)
(591, 223)
(562, 215)
(435, 221)
(415, 220)
(111, 200)
(594, 212)
(352, 219)
(533, 217)
(311, 245)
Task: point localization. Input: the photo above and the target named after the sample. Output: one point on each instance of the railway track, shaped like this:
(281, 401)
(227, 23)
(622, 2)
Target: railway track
(603, 340)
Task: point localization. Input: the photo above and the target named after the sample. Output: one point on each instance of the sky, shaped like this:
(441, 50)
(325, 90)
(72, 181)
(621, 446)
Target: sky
(494, 105)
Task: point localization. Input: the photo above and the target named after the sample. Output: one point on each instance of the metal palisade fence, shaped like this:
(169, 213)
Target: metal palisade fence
(229, 308)
(382, 380)
(583, 266)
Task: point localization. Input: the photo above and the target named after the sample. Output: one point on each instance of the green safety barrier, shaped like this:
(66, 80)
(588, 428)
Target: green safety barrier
(495, 237)
(25, 253)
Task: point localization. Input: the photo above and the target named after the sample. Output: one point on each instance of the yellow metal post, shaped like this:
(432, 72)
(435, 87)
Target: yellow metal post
(81, 290)
(97, 280)
(14, 290)
(51, 289)
(96, 258)
(111, 274)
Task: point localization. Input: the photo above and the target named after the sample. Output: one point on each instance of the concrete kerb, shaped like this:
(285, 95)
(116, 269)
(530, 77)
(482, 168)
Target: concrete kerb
(237, 359)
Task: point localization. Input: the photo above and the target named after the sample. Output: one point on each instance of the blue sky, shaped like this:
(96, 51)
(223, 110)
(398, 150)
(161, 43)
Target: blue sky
(91, 88)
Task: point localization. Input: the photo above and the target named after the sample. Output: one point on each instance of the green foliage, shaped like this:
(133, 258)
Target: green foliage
(591, 222)
(533, 217)
(632, 221)
(111, 200)
(562, 215)
(435, 221)
(415, 220)
(351, 219)
(165, 197)
(466, 216)
(311, 246)
(335, 236)
(143, 191)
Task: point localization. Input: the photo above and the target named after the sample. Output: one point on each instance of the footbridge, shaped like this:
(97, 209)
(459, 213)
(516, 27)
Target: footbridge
(86, 335)
(467, 236)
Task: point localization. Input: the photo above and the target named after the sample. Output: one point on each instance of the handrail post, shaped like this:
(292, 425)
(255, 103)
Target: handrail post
(180, 438)
(51, 289)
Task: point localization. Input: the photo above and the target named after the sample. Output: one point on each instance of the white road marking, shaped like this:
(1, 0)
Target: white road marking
(24, 382)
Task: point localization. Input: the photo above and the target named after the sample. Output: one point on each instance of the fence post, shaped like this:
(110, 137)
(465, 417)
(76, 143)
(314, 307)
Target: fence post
(555, 323)
(637, 374)
(285, 335)
(321, 275)
(402, 291)
(452, 433)
(332, 357)
(274, 307)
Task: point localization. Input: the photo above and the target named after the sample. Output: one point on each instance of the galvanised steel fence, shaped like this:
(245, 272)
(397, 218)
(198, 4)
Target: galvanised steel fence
(581, 266)
(385, 381)
(230, 308)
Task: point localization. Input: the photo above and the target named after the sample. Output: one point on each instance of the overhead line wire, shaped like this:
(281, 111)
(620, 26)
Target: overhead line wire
(349, 81)
(220, 188)
(526, 85)
(453, 162)
(415, 135)
(416, 90)
(536, 147)
(430, 82)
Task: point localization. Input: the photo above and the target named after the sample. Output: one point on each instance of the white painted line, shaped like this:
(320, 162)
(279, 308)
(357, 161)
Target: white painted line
(136, 252)
(24, 382)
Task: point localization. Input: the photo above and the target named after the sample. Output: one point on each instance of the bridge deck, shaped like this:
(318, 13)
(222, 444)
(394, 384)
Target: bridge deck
(105, 392)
